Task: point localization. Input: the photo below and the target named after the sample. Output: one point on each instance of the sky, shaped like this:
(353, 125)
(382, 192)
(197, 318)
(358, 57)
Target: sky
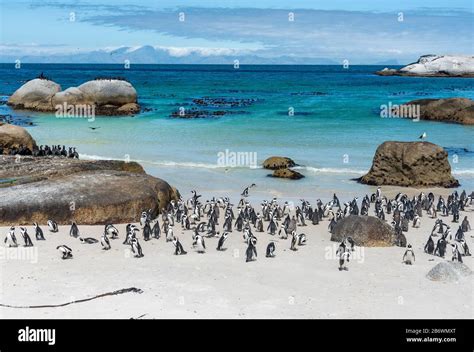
(362, 31)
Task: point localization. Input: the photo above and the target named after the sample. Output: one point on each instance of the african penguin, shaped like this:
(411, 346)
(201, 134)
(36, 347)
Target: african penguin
(409, 256)
(26, 237)
(179, 250)
(53, 226)
(136, 248)
(65, 251)
(270, 250)
(38, 232)
(221, 241)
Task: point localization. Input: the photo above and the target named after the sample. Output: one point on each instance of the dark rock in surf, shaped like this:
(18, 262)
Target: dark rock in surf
(410, 164)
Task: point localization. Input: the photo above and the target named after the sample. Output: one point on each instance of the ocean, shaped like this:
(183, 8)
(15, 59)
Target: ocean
(326, 118)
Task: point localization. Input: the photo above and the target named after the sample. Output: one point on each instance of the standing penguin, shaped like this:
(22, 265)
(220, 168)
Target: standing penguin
(344, 255)
(131, 233)
(155, 231)
(259, 224)
(440, 249)
(10, 239)
(136, 248)
(146, 231)
(38, 232)
(221, 241)
(251, 250)
(200, 244)
(416, 221)
(169, 234)
(270, 250)
(294, 241)
(104, 241)
(179, 250)
(145, 216)
(272, 226)
(465, 248)
(409, 256)
(53, 226)
(429, 246)
(74, 231)
(457, 257)
(465, 226)
(26, 237)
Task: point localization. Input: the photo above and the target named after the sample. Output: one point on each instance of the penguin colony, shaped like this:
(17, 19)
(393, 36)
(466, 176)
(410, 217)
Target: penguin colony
(280, 220)
(55, 150)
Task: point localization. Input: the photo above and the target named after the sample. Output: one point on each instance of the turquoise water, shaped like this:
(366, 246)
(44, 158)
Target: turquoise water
(333, 133)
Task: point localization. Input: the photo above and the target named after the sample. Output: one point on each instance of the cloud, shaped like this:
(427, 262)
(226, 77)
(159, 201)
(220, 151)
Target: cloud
(312, 33)
(360, 36)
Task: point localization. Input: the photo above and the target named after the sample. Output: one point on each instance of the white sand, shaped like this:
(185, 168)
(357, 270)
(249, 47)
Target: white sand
(302, 284)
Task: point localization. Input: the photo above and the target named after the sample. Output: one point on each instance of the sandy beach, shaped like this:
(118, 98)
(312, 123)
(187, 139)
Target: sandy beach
(301, 284)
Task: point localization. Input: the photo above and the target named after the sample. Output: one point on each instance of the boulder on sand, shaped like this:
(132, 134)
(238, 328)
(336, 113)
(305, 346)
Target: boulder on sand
(449, 272)
(12, 136)
(410, 164)
(287, 173)
(35, 95)
(278, 162)
(367, 231)
(456, 110)
(89, 192)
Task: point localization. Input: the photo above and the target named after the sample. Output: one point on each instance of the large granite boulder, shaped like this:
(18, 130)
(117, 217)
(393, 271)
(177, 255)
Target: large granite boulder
(278, 162)
(436, 66)
(410, 164)
(89, 192)
(35, 95)
(449, 272)
(109, 92)
(456, 110)
(12, 136)
(367, 231)
(108, 97)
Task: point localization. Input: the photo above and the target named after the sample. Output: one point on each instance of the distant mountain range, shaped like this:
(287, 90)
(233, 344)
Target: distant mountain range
(152, 55)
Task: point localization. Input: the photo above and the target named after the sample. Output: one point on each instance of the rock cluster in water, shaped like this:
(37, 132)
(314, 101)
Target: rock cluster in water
(207, 107)
(108, 97)
(282, 167)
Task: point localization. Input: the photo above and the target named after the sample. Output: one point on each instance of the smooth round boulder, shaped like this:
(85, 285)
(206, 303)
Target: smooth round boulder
(70, 96)
(278, 162)
(12, 136)
(449, 272)
(36, 95)
(109, 92)
(367, 231)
